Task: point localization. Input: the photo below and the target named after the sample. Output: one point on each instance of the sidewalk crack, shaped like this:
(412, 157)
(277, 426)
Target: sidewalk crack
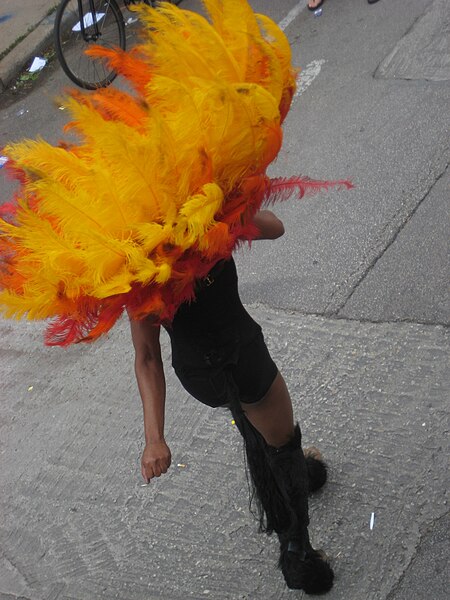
(330, 309)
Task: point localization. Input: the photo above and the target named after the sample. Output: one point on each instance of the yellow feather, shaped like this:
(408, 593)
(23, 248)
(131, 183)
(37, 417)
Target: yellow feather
(134, 200)
(197, 215)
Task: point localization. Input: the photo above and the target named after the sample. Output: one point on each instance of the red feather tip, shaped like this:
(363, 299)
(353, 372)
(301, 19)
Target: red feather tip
(64, 331)
(8, 209)
(280, 189)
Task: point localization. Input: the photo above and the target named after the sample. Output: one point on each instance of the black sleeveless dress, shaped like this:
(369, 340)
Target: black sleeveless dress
(217, 348)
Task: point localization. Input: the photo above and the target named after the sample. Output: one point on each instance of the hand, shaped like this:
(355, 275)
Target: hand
(270, 227)
(156, 459)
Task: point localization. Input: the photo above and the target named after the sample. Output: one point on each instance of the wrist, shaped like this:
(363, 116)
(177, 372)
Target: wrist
(154, 438)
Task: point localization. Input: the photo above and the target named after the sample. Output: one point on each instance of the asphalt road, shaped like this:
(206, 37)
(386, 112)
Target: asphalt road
(354, 304)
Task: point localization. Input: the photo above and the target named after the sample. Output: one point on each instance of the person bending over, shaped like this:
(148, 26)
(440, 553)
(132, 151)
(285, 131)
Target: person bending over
(221, 359)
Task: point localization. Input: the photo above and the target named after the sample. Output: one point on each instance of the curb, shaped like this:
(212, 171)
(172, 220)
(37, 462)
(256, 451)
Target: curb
(34, 43)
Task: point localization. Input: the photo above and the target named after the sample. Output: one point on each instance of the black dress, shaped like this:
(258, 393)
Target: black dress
(217, 348)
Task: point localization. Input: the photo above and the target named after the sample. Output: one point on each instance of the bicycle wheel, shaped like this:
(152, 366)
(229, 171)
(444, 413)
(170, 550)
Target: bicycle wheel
(70, 43)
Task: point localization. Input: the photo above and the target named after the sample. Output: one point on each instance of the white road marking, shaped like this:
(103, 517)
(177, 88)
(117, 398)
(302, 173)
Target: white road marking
(310, 72)
(292, 14)
(307, 76)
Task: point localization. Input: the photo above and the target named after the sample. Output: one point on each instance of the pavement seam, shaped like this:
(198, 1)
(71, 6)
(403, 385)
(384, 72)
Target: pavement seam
(14, 566)
(30, 30)
(410, 28)
(405, 320)
(335, 317)
(329, 310)
(377, 73)
(424, 531)
(17, 41)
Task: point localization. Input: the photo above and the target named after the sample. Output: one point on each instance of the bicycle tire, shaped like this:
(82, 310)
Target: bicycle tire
(88, 73)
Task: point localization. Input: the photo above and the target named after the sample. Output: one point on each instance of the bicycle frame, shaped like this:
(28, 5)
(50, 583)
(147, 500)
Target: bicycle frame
(94, 37)
(128, 2)
(96, 32)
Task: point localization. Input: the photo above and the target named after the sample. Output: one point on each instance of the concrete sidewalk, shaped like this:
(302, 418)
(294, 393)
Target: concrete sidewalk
(25, 29)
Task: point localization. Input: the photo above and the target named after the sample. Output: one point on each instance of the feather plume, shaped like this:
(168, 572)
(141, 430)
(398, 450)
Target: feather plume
(115, 105)
(64, 331)
(161, 183)
(280, 189)
(130, 64)
(8, 209)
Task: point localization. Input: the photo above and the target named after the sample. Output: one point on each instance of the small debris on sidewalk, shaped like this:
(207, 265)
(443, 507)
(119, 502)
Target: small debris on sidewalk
(3, 161)
(4, 18)
(318, 12)
(181, 465)
(372, 521)
(30, 389)
(37, 65)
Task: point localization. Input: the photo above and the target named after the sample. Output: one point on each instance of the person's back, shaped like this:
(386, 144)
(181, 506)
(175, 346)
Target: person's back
(215, 315)
(216, 345)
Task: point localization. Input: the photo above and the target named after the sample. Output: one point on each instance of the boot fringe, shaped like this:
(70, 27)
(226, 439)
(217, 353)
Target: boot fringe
(313, 575)
(317, 473)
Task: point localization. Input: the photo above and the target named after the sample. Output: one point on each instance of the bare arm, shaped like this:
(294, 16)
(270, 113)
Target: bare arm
(151, 382)
(270, 227)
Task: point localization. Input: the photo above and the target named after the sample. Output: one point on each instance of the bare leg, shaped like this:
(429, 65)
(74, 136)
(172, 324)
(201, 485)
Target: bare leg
(273, 416)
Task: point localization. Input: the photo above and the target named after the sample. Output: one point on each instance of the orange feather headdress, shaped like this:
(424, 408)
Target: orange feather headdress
(164, 181)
